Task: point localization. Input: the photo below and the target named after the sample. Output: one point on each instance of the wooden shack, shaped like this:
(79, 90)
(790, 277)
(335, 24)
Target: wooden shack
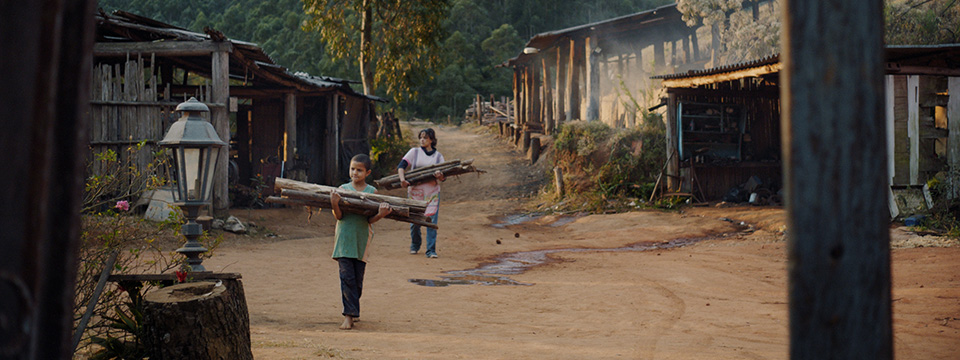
(723, 124)
(277, 122)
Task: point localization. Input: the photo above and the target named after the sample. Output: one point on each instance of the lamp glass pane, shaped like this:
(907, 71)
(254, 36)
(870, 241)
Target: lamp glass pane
(213, 154)
(191, 159)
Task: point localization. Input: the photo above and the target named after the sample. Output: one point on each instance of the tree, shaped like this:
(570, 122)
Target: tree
(917, 22)
(396, 42)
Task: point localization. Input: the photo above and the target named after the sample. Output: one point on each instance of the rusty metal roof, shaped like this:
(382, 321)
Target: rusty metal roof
(943, 55)
(772, 59)
(123, 26)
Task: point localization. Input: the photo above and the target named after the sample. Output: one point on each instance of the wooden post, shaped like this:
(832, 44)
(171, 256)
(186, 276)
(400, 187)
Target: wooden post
(953, 123)
(659, 55)
(46, 53)
(673, 161)
(290, 124)
(560, 113)
(331, 141)
(534, 151)
(220, 118)
(913, 126)
(573, 81)
(516, 95)
(834, 152)
(558, 180)
(593, 78)
(548, 103)
(695, 45)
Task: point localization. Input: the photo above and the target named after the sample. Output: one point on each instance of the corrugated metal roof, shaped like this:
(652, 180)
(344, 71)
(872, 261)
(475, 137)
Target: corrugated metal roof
(547, 39)
(772, 59)
(947, 54)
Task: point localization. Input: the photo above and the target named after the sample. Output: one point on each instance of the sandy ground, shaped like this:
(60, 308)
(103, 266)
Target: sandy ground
(639, 285)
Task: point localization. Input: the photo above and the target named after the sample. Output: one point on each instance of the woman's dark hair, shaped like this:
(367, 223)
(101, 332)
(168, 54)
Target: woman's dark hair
(430, 134)
(362, 159)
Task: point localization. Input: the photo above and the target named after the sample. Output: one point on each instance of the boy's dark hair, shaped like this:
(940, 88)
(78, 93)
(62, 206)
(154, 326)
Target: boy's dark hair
(362, 159)
(430, 134)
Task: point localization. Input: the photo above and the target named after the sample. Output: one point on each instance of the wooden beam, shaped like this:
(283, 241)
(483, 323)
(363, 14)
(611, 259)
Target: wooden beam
(913, 126)
(771, 92)
(561, 84)
(897, 69)
(161, 48)
(835, 177)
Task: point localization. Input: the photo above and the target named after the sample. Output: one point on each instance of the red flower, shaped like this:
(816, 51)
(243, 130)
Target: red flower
(181, 276)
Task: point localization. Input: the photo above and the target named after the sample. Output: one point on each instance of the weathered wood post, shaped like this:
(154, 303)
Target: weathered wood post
(592, 53)
(220, 118)
(558, 180)
(953, 121)
(46, 55)
(534, 149)
(835, 176)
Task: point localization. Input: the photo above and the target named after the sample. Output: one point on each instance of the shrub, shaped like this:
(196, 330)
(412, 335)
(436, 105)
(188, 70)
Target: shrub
(611, 162)
(109, 229)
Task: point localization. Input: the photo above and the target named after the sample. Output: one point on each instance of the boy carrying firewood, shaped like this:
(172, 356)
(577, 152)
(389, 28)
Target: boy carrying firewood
(353, 234)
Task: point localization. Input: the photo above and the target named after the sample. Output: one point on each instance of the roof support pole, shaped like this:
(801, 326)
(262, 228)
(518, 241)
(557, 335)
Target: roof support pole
(331, 142)
(913, 126)
(673, 161)
(573, 80)
(560, 98)
(953, 124)
(548, 102)
(593, 78)
(516, 95)
(290, 124)
(835, 176)
(219, 117)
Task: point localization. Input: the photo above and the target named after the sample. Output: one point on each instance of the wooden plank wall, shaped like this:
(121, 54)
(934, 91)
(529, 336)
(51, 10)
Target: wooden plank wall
(125, 110)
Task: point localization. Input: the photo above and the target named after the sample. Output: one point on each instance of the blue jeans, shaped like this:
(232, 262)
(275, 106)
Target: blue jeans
(351, 284)
(415, 238)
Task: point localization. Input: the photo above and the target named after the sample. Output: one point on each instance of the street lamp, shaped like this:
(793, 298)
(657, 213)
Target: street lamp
(196, 148)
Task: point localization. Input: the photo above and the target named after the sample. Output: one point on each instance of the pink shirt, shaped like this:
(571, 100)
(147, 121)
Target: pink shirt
(429, 191)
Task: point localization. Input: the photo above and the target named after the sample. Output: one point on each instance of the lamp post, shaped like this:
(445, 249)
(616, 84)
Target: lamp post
(195, 146)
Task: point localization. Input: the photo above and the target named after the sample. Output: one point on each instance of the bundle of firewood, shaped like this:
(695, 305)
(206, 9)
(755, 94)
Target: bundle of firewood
(424, 174)
(294, 192)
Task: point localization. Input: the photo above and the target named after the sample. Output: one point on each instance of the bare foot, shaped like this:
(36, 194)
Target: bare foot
(347, 323)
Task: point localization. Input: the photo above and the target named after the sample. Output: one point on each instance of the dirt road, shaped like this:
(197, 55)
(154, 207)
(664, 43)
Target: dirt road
(638, 285)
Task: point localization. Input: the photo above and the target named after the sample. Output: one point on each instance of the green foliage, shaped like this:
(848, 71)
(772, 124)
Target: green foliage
(922, 22)
(944, 217)
(385, 153)
(403, 44)
(128, 320)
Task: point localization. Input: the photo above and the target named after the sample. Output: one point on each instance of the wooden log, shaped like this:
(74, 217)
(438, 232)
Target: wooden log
(426, 173)
(326, 205)
(534, 149)
(282, 183)
(558, 180)
(197, 320)
(359, 206)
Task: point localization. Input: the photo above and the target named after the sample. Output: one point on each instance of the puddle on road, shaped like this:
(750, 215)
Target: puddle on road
(497, 272)
(517, 219)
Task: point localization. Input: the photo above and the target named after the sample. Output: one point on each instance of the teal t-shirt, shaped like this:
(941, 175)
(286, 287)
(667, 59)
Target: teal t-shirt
(353, 231)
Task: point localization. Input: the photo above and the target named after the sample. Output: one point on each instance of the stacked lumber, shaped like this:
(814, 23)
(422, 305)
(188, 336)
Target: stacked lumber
(424, 174)
(300, 193)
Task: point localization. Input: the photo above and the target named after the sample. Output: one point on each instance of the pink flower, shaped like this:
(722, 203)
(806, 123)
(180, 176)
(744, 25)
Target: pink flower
(123, 205)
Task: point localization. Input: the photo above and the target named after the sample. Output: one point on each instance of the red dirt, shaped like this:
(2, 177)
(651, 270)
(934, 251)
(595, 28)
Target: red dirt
(721, 298)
